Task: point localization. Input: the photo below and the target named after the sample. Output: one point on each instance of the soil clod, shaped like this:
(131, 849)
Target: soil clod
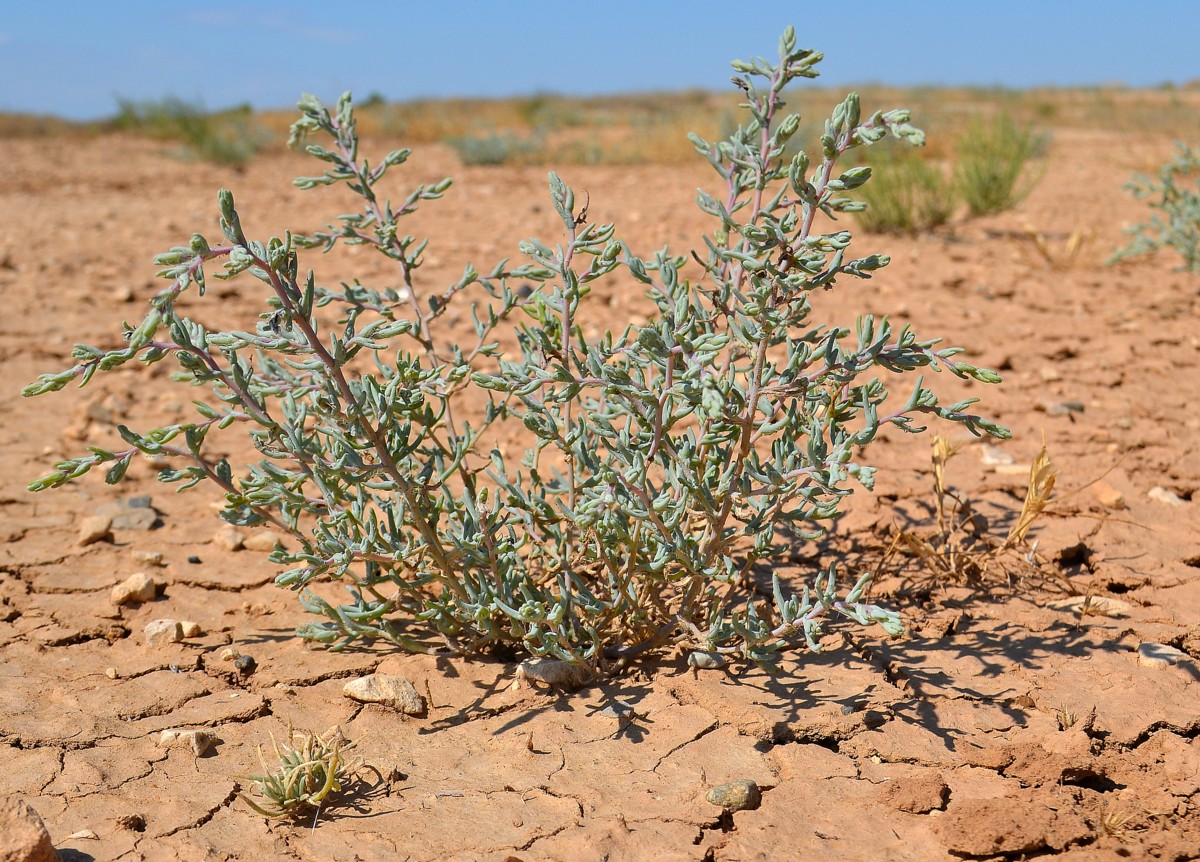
(23, 836)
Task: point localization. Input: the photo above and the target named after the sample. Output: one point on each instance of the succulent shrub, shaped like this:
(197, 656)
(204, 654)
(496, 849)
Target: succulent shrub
(666, 460)
(1175, 194)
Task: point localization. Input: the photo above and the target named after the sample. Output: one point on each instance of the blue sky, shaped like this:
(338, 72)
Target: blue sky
(74, 57)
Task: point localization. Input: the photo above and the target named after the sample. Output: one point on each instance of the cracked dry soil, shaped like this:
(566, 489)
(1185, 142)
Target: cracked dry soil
(1005, 724)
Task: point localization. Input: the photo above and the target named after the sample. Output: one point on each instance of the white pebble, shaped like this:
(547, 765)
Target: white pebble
(552, 672)
(1162, 495)
(391, 691)
(159, 632)
(1159, 655)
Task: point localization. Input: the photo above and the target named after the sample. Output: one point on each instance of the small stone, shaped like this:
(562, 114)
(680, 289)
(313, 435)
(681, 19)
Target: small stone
(134, 513)
(135, 589)
(552, 672)
(190, 628)
(623, 713)
(150, 558)
(83, 834)
(228, 654)
(124, 293)
(1059, 408)
(23, 835)
(1159, 655)
(94, 529)
(228, 537)
(194, 560)
(110, 672)
(740, 795)
(1012, 469)
(705, 660)
(159, 632)
(391, 691)
(262, 540)
(1049, 373)
(245, 664)
(76, 430)
(994, 455)
(1108, 496)
(1162, 495)
(200, 741)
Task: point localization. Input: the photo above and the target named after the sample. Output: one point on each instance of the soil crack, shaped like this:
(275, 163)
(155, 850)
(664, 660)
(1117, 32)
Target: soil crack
(703, 732)
(219, 587)
(159, 709)
(207, 816)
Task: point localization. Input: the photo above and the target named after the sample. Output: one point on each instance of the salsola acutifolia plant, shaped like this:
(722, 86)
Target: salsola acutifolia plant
(665, 460)
(1175, 194)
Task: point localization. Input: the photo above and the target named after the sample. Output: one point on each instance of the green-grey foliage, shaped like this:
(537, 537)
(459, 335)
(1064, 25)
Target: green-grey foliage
(906, 194)
(226, 138)
(665, 462)
(492, 148)
(1177, 223)
(993, 171)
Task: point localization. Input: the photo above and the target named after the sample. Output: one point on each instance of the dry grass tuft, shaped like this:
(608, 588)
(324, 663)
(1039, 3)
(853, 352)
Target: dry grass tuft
(1059, 256)
(961, 550)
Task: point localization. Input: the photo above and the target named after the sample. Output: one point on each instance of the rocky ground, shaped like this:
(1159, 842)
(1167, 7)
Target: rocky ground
(1020, 716)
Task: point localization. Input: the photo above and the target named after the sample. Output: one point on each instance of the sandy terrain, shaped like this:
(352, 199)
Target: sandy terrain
(1006, 724)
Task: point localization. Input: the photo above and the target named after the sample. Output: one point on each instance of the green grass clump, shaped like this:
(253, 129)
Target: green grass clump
(907, 194)
(229, 137)
(493, 149)
(993, 172)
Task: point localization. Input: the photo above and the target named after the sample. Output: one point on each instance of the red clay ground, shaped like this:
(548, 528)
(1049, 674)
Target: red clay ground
(1006, 724)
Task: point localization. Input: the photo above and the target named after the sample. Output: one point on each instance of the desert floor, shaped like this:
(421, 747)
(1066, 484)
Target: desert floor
(1015, 719)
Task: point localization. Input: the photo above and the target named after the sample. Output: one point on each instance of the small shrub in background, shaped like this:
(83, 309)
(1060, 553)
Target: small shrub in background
(493, 149)
(225, 138)
(993, 170)
(665, 461)
(907, 194)
(1175, 194)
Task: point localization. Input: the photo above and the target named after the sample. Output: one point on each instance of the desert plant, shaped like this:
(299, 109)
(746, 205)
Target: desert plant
(304, 777)
(1060, 256)
(962, 548)
(666, 460)
(1177, 223)
(906, 195)
(993, 171)
(493, 148)
(225, 138)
